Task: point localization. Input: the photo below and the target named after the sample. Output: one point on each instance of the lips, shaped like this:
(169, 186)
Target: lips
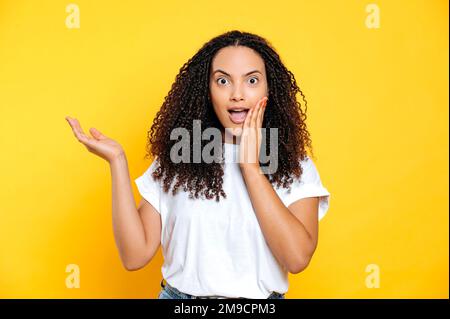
(238, 113)
(238, 116)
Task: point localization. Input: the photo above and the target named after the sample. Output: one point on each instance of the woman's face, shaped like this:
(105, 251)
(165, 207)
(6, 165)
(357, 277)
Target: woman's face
(237, 82)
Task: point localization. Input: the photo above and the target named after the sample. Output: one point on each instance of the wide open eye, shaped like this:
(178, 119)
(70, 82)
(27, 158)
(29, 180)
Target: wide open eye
(254, 77)
(221, 79)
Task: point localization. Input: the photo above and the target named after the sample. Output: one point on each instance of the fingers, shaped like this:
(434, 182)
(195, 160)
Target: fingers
(243, 154)
(78, 127)
(247, 120)
(255, 114)
(259, 122)
(256, 120)
(261, 114)
(97, 134)
(78, 131)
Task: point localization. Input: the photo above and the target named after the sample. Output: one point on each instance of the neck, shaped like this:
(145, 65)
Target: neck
(230, 140)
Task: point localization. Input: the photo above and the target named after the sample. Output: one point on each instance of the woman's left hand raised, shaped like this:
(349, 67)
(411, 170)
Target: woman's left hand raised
(251, 136)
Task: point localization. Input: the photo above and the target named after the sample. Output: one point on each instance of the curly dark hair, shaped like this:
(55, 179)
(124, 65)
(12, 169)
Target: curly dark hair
(189, 99)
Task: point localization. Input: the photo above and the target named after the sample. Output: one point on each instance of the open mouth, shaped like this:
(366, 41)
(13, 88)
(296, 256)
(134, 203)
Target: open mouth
(238, 116)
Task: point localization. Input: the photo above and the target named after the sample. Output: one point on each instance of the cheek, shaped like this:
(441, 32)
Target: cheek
(218, 96)
(219, 101)
(259, 94)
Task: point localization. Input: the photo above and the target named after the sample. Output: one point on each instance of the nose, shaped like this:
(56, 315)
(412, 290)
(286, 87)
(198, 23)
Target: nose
(237, 94)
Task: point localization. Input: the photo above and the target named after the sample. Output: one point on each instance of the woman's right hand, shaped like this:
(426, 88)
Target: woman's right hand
(99, 144)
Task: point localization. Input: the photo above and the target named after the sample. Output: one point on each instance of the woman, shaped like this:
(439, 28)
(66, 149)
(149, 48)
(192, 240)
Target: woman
(227, 229)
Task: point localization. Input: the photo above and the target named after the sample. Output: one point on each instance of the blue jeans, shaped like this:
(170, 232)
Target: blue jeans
(169, 292)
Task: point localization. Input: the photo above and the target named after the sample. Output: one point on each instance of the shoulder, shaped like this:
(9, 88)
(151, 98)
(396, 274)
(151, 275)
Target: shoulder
(310, 172)
(147, 176)
(153, 166)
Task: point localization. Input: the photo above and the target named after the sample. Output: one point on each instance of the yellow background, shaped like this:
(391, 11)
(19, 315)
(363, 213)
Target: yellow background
(377, 113)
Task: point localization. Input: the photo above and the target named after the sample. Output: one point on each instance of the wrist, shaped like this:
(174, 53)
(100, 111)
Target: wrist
(250, 168)
(118, 158)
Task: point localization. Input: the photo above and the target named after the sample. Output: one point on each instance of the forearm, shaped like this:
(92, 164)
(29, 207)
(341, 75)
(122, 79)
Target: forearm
(285, 235)
(129, 232)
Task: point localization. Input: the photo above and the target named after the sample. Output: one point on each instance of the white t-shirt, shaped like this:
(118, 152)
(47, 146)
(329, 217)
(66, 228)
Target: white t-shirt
(218, 248)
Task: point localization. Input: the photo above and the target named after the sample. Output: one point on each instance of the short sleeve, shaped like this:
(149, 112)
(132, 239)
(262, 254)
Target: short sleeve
(150, 189)
(309, 185)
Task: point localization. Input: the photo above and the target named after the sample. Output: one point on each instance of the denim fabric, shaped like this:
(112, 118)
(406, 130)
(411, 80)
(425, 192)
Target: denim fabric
(169, 292)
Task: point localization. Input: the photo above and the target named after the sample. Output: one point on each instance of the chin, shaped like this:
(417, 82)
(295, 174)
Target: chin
(234, 129)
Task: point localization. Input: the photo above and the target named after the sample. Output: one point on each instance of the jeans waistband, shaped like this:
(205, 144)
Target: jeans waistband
(165, 285)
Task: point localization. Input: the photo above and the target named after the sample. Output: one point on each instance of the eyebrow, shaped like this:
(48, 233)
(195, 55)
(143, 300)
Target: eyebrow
(219, 70)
